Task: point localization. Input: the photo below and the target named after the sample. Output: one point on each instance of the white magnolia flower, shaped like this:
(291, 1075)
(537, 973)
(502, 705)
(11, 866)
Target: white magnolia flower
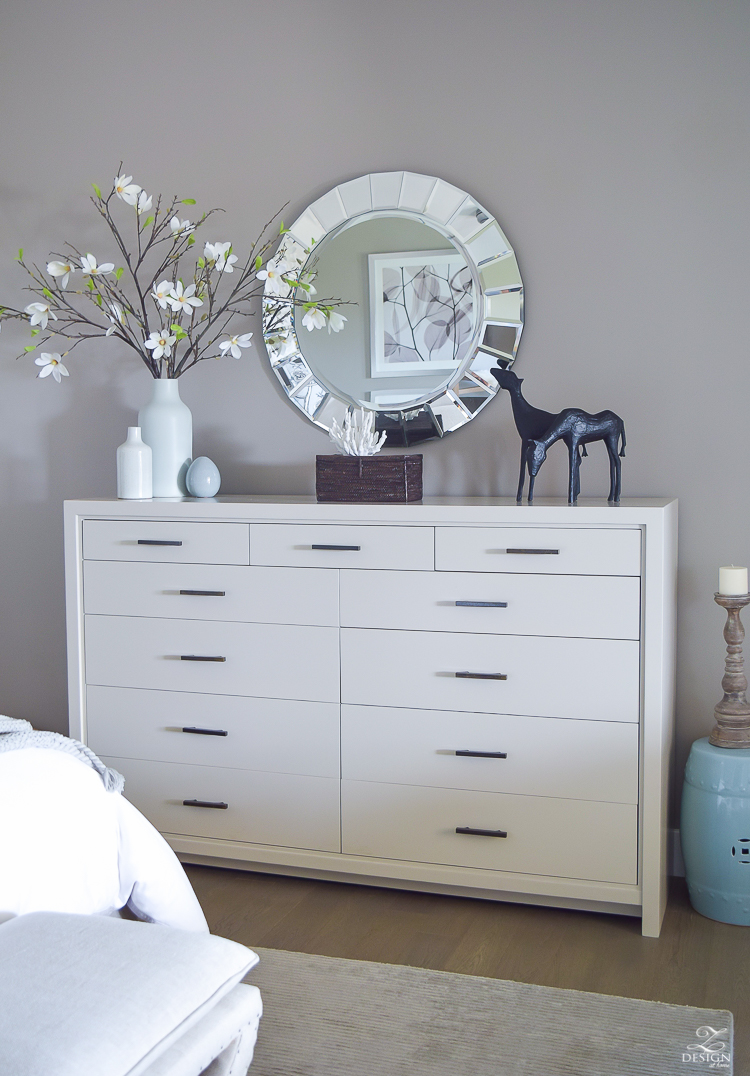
(314, 319)
(295, 255)
(184, 299)
(225, 262)
(38, 314)
(63, 269)
(218, 254)
(274, 278)
(144, 203)
(307, 280)
(161, 293)
(51, 364)
(335, 321)
(117, 317)
(160, 344)
(90, 268)
(181, 227)
(127, 190)
(234, 343)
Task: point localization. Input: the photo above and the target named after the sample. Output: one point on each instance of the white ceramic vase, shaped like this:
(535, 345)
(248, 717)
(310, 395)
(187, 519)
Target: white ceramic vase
(134, 467)
(167, 426)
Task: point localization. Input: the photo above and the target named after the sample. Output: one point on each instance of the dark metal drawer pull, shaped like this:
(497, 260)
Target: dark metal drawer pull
(348, 548)
(199, 657)
(471, 754)
(206, 593)
(208, 732)
(156, 541)
(537, 552)
(484, 605)
(480, 676)
(482, 832)
(216, 804)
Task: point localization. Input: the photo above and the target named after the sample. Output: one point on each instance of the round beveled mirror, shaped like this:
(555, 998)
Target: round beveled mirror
(433, 300)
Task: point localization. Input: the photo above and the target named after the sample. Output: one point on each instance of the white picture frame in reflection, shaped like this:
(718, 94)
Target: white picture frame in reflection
(422, 312)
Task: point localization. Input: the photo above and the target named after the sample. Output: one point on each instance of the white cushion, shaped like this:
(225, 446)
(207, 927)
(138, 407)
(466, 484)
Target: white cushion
(92, 996)
(68, 845)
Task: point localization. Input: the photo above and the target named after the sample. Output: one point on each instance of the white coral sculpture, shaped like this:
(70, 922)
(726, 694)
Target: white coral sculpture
(357, 437)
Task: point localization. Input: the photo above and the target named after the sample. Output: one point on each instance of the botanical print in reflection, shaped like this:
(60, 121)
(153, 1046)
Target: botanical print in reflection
(422, 312)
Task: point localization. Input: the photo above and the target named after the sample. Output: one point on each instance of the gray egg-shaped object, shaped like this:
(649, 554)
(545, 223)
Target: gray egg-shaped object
(203, 478)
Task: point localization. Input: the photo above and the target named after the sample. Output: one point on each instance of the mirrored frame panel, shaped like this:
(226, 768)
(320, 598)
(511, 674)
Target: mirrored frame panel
(496, 292)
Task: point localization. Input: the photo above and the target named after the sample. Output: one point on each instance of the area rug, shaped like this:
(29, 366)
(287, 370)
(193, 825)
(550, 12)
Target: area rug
(329, 1017)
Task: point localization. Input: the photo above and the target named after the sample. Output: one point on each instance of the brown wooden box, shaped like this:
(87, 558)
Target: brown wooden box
(374, 479)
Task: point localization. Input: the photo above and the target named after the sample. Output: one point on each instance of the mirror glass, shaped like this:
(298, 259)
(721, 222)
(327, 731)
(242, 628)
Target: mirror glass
(411, 312)
(433, 300)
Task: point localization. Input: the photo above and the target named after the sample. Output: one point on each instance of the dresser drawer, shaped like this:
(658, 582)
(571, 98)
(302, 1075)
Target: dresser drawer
(212, 592)
(276, 735)
(538, 550)
(262, 808)
(534, 756)
(556, 837)
(603, 607)
(181, 543)
(590, 679)
(318, 545)
(266, 660)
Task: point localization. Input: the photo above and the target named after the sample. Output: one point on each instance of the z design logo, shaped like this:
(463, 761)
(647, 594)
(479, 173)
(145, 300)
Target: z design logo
(711, 1051)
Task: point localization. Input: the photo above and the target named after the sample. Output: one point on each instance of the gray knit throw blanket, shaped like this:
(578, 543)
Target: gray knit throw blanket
(15, 735)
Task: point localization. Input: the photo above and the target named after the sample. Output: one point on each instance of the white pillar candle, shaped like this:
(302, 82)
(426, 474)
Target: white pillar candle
(732, 580)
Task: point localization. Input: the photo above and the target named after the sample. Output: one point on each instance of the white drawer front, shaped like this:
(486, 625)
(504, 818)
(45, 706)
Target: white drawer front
(262, 808)
(212, 592)
(276, 735)
(268, 660)
(590, 679)
(292, 544)
(557, 837)
(581, 760)
(592, 607)
(188, 543)
(539, 550)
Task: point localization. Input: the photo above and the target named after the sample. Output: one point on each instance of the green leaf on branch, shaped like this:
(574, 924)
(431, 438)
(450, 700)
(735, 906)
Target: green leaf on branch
(119, 272)
(188, 201)
(176, 328)
(258, 263)
(98, 300)
(201, 263)
(148, 220)
(47, 293)
(30, 347)
(35, 332)
(282, 229)
(179, 333)
(97, 192)
(90, 284)
(191, 240)
(20, 254)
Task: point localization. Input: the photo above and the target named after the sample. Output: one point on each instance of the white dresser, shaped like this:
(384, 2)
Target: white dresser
(462, 696)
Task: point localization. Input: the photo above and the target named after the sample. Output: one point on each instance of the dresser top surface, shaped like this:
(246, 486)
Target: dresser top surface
(432, 510)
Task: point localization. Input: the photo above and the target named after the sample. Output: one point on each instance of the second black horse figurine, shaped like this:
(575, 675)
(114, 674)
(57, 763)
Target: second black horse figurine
(539, 430)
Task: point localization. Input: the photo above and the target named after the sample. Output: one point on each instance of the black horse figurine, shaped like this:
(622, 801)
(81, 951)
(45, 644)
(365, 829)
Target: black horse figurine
(531, 422)
(575, 427)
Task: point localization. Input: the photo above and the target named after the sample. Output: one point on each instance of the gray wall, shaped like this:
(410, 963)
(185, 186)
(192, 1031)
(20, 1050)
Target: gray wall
(610, 137)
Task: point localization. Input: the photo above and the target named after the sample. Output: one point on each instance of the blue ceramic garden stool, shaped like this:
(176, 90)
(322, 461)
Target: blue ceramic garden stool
(715, 831)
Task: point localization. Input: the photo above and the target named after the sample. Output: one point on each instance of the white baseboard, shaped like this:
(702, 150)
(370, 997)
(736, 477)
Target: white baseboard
(674, 853)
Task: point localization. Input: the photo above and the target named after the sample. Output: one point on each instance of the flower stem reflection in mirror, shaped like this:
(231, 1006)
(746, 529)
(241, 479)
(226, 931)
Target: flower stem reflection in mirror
(421, 311)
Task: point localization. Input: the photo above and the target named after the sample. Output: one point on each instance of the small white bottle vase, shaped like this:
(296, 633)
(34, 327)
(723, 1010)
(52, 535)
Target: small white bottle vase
(134, 467)
(167, 426)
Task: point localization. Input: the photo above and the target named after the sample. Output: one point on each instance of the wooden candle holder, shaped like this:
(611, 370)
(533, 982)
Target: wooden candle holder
(732, 728)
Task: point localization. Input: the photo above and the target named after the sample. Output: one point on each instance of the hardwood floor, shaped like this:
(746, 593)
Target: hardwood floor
(696, 961)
